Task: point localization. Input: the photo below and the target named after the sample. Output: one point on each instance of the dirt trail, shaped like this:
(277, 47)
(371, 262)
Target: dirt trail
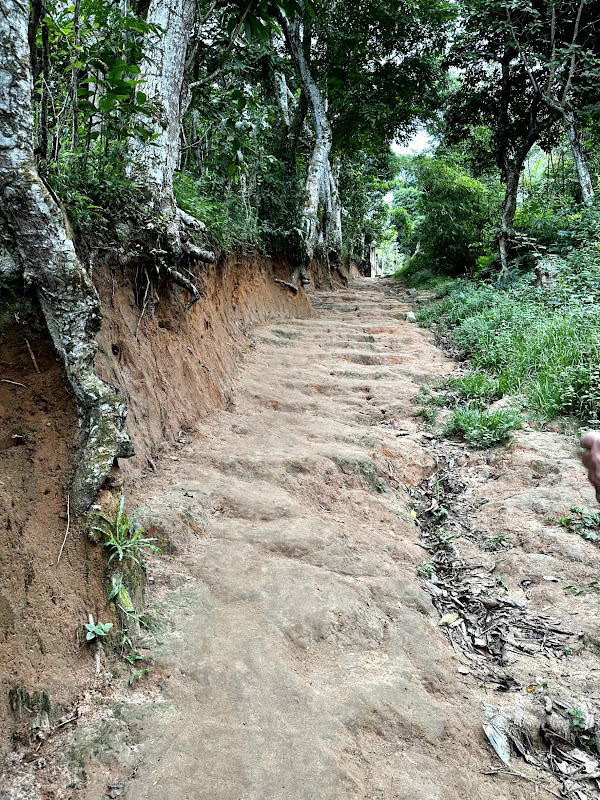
(297, 654)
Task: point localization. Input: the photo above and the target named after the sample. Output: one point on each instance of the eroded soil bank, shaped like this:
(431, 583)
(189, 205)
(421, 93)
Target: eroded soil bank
(174, 368)
(296, 650)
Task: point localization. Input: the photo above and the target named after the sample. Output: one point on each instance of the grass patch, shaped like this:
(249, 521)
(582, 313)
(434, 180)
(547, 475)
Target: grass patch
(416, 277)
(543, 344)
(475, 385)
(482, 428)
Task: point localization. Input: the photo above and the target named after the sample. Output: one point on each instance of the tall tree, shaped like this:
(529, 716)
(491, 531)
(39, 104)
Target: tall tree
(493, 90)
(36, 247)
(558, 42)
(321, 187)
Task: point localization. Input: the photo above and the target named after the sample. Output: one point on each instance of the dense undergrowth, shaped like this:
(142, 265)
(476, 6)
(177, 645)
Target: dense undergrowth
(539, 344)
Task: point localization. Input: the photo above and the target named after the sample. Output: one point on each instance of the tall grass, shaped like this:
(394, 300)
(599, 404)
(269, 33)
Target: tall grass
(542, 344)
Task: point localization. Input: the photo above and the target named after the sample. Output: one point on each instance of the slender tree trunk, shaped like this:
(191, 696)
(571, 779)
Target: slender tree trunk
(513, 174)
(583, 174)
(319, 170)
(283, 98)
(46, 258)
(75, 88)
(334, 231)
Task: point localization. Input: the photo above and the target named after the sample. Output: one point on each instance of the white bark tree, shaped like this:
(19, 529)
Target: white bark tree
(36, 245)
(321, 200)
(154, 164)
(163, 71)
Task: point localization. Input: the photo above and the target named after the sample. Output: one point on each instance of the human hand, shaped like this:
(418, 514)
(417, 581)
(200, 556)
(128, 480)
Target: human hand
(591, 458)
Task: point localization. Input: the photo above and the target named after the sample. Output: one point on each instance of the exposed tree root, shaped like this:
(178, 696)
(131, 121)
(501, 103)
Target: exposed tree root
(291, 286)
(39, 242)
(186, 284)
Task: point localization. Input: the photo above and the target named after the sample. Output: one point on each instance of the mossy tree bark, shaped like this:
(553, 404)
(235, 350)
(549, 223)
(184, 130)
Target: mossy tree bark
(37, 243)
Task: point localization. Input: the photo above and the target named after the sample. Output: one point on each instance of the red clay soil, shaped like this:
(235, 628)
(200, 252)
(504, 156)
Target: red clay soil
(174, 368)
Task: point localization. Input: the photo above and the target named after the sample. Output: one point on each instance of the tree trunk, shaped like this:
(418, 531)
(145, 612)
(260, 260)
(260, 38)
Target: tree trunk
(334, 225)
(45, 255)
(585, 181)
(154, 164)
(513, 174)
(319, 170)
(283, 98)
(163, 69)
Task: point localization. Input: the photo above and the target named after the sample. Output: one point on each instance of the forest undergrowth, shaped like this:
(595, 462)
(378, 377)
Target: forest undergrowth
(530, 335)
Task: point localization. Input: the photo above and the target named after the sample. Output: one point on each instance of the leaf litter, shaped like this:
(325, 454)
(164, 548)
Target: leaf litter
(488, 627)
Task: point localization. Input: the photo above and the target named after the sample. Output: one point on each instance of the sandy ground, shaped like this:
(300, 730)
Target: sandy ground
(295, 651)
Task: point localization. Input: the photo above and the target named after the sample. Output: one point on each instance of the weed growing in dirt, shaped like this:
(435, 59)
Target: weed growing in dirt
(428, 415)
(584, 522)
(97, 629)
(426, 569)
(581, 727)
(594, 586)
(123, 538)
(482, 428)
(498, 542)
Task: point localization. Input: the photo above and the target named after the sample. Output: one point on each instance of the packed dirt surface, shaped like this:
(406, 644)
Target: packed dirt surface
(174, 368)
(296, 652)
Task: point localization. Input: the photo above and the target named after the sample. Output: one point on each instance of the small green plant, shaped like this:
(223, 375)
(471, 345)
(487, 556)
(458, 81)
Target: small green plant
(131, 656)
(498, 542)
(594, 586)
(136, 674)
(426, 569)
(443, 538)
(579, 724)
(441, 513)
(97, 629)
(584, 522)
(123, 538)
(474, 385)
(482, 428)
(429, 415)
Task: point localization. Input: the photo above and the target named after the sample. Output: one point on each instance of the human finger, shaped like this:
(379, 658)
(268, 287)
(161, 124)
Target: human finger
(589, 439)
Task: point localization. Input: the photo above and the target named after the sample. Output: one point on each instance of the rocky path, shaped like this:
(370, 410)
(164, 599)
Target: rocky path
(296, 652)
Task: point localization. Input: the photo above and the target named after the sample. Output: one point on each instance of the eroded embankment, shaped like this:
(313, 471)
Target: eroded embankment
(174, 368)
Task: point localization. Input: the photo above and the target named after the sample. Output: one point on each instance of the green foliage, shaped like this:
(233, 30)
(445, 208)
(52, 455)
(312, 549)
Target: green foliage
(593, 586)
(583, 730)
(482, 428)
(415, 276)
(373, 101)
(498, 542)
(123, 537)
(365, 179)
(230, 222)
(474, 385)
(451, 219)
(97, 630)
(90, 104)
(584, 522)
(543, 344)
